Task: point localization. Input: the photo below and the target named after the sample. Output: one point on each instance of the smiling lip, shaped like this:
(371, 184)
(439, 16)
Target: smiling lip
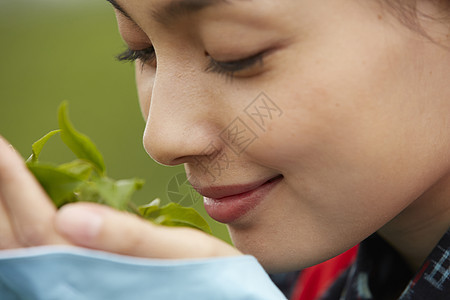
(226, 204)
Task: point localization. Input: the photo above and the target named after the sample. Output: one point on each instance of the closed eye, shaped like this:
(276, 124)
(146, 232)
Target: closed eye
(229, 68)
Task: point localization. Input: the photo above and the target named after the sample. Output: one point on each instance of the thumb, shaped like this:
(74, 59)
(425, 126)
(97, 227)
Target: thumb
(100, 227)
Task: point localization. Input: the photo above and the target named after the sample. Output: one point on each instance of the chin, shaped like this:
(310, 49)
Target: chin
(281, 252)
(274, 255)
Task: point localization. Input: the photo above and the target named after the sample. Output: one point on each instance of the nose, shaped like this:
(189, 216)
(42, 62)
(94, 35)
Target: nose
(181, 123)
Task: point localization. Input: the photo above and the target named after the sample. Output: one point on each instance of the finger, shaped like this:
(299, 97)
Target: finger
(7, 238)
(103, 228)
(25, 202)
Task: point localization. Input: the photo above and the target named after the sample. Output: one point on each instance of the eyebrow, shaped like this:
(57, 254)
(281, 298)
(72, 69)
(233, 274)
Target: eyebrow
(119, 8)
(174, 9)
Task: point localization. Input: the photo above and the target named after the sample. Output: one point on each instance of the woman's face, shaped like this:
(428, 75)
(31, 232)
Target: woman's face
(335, 95)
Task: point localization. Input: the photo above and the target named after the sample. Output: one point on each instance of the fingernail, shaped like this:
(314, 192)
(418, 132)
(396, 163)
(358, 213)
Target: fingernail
(79, 224)
(3, 141)
(6, 143)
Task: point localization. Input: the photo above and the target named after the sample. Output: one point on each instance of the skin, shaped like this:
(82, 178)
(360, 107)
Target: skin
(363, 142)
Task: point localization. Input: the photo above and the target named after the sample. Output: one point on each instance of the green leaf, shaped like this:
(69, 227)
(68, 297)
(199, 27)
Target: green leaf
(116, 194)
(148, 209)
(88, 192)
(174, 215)
(124, 189)
(184, 216)
(84, 180)
(80, 144)
(59, 185)
(80, 168)
(37, 146)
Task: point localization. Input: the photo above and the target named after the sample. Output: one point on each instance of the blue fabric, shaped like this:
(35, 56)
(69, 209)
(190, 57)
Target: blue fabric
(70, 273)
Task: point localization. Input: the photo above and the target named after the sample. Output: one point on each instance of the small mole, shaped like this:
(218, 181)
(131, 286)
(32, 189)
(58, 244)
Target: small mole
(380, 17)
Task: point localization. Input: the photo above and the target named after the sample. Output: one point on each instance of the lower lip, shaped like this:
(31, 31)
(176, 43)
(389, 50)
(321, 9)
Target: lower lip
(229, 209)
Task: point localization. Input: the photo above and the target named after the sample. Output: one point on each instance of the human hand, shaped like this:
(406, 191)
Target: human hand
(28, 218)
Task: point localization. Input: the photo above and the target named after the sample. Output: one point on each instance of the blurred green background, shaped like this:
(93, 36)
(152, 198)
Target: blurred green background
(55, 50)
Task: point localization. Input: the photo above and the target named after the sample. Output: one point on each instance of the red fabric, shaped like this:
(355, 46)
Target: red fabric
(315, 280)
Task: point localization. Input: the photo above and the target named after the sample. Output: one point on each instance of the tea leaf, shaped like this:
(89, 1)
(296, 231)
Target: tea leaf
(84, 180)
(148, 209)
(37, 146)
(175, 215)
(81, 168)
(80, 144)
(59, 184)
(178, 215)
(105, 190)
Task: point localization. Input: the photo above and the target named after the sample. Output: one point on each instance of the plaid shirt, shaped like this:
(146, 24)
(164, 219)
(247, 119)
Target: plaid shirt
(379, 273)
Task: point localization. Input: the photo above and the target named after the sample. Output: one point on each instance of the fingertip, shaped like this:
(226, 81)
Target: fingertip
(81, 222)
(6, 145)
(11, 163)
(6, 148)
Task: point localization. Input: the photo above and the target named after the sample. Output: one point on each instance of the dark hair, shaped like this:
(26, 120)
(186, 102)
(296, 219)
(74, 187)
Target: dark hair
(408, 14)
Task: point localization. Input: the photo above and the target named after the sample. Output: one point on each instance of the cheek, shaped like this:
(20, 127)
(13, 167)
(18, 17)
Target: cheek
(334, 105)
(347, 143)
(312, 123)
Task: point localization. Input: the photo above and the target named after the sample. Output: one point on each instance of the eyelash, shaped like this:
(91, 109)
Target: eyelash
(226, 68)
(146, 55)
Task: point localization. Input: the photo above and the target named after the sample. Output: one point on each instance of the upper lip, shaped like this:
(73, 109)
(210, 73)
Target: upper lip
(222, 191)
